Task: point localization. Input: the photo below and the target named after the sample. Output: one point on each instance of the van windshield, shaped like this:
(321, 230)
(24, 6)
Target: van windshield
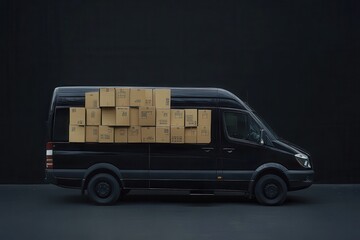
(266, 125)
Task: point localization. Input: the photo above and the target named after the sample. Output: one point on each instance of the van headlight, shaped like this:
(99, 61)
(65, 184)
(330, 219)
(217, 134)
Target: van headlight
(303, 160)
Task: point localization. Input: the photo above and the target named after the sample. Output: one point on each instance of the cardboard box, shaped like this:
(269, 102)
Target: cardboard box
(122, 97)
(134, 134)
(108, 116)
(148, 97)
(191, 118)
(121, 134)
(134, 116)
(177, 134)
(122, 116)
(162, 134)
(162, 117)
(93, 116)
(106, 134)
(107, 97)
(140, 97)
(76, 133)
(148, 134)
(77, 116)
(203, 134)
(162, 98)
(91, 134)
(177, 117)
(147, 116)
(92, 100)
(190, 135)
(137, 97)
(204, 117)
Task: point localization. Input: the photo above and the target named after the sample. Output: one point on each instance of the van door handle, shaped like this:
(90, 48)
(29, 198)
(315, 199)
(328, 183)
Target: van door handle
(229, 150)
(207, 149)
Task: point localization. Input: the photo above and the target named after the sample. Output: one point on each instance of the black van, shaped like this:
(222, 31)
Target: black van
(244, 154)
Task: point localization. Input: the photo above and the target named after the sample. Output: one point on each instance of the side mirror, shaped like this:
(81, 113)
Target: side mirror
(262, 136)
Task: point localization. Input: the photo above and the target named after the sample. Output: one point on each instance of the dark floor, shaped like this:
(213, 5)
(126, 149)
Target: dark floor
(49, 212)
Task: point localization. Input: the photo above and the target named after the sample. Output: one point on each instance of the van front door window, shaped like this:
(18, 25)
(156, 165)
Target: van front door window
(241, 126)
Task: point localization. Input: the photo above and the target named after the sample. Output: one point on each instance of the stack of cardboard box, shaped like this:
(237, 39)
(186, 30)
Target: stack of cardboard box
(162, 103)
(177, 125)
(77, 124)
(203, 133)
(133, 115)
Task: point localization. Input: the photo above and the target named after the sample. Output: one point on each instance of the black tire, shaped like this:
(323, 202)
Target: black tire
(270, 190)
(103, 189)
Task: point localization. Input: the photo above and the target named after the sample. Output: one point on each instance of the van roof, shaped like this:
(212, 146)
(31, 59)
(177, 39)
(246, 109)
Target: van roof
(223, 98)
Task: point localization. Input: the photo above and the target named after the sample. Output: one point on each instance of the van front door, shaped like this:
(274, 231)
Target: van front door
(185, 166)
(240, 152)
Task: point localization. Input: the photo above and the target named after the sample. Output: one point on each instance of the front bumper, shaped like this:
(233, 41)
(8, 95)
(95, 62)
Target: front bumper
(300, 179)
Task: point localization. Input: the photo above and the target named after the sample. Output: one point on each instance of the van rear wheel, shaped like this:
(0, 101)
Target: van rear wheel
(103, 189)
(270, 190)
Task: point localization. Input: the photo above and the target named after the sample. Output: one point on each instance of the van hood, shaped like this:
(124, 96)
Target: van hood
(289, 147)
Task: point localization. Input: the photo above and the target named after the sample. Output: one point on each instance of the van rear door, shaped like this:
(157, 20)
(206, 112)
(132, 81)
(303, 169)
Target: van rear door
(131, 159)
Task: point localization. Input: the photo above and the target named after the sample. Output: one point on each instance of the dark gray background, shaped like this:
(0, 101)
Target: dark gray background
(295, 62)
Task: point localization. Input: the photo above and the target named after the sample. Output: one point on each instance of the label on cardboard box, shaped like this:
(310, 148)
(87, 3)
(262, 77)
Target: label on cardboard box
(122, 97)
(162, 134)
(177, 134)
(106, 134)
(148, 134)
(77, 116)
(177, 117)
(91, 134)
(203, 134)
(190, 117)
(190, 135)
(122, 116)
(204, 117)
(134, 116)
(92, 100)
(108, 116)
(121, 134)
(107, 97)
(162, 117)
(93, 116)
(147, 116)
(76, 133)
(134, 134)
(162, 98)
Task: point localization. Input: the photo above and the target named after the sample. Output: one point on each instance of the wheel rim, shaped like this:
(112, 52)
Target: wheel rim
(103, 189)
(271, 190)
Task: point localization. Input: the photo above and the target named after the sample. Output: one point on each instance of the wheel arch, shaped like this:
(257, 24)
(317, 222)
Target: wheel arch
(268, 168)
(101, 168)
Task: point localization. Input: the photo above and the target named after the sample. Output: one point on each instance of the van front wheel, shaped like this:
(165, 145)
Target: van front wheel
(103, 189)
(270, 190)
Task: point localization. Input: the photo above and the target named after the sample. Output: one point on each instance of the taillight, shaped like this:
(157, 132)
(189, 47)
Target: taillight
(49, 155)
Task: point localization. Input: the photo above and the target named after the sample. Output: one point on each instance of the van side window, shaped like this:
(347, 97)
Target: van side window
(61, 125)
(241, 126)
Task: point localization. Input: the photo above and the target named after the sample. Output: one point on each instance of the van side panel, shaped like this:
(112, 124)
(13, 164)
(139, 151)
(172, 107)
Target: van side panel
(186, 166)
(182, 166)
(131, 159)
